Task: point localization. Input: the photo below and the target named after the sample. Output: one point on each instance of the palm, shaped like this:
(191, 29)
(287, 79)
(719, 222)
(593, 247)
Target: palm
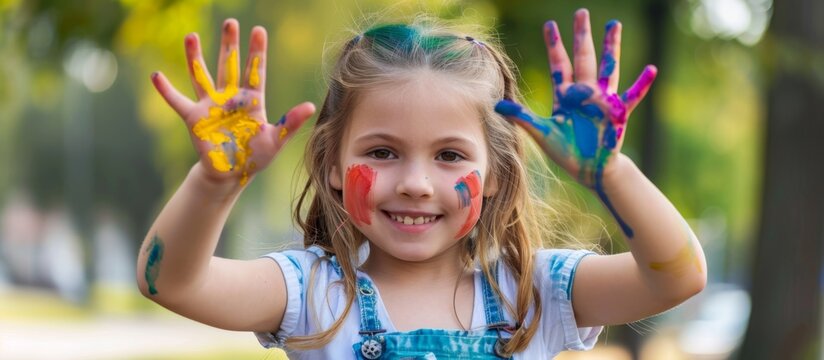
(228, 123)
(589, 118)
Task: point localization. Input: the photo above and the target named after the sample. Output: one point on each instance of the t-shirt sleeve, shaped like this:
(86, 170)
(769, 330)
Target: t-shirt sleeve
(555, 270)
(296, 265)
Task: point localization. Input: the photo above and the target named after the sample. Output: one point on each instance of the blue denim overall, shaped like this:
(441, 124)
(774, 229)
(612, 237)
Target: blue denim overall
(429, 343)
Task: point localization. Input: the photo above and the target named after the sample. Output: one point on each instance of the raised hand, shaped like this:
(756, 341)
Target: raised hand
(589, 118)
(228, 124)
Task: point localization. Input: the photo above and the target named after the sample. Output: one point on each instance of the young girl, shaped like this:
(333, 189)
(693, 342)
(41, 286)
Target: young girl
(420, 235)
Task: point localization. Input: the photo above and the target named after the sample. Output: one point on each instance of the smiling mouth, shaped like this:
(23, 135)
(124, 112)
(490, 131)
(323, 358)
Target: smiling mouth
(411, 220)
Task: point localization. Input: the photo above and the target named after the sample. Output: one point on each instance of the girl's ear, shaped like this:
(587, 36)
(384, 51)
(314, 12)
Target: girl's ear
(490, 186)
(335, 180)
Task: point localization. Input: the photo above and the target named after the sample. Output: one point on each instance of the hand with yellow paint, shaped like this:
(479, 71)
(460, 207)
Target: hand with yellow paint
(228, 122)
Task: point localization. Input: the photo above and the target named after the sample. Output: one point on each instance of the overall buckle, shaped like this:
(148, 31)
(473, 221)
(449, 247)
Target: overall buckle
(372, 345)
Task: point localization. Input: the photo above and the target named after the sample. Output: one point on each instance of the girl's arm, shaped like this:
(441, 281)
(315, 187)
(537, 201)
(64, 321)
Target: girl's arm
(228, 127)
(584, 136)
(665, 265)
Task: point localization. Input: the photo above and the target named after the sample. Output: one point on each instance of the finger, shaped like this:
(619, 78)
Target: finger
(639, 89)
(584, 50)
(228, 64)
(256, 62)
(201, 79)
(180, 103)
(559, 64)
(610, 58)
(516, 113)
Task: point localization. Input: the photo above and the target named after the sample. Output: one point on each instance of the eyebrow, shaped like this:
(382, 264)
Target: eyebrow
(395, 139)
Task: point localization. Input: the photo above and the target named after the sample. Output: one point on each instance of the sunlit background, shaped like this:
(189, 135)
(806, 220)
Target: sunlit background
(91, 153)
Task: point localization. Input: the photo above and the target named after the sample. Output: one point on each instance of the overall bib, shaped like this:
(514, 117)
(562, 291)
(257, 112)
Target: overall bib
(376, 343)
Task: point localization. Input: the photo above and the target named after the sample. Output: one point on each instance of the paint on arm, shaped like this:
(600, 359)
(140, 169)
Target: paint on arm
(683, 260)
(154, 256)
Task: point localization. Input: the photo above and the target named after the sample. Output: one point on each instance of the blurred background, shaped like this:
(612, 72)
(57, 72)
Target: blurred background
(731, 133)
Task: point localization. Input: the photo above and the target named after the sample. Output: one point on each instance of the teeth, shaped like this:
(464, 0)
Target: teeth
(408, 220)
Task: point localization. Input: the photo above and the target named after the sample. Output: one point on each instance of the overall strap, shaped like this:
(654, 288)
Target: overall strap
(367, 301)
(494, 315)
(492, 302)
(371, 347)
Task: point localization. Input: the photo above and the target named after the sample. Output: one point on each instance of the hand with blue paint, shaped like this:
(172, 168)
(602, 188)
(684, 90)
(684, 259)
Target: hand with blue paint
(589, 118)
(228, 123)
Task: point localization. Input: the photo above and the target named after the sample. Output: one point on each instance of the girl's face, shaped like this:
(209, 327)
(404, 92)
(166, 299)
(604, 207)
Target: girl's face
(412, 169)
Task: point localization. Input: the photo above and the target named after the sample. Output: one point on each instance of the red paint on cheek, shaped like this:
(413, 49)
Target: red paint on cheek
(469, 194)
(356, 199)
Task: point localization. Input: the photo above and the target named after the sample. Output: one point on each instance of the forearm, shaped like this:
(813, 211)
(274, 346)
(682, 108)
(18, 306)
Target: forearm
(667, 252)
(175, 255)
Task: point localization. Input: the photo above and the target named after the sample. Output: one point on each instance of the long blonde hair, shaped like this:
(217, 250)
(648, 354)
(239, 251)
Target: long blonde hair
(507, 229)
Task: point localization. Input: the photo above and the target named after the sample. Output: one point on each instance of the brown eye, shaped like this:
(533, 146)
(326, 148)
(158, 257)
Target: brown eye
(382, 154)
(450, 156)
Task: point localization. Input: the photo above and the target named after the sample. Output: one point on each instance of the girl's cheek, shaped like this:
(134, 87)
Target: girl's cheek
(469, 191)
(357, 187)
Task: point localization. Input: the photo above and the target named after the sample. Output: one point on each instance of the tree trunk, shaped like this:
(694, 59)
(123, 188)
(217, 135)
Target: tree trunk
(786, 274)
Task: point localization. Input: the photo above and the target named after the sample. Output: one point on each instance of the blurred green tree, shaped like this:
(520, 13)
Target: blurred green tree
(785, 322)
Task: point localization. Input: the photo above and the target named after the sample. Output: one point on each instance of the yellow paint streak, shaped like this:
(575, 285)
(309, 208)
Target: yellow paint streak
(254, 101)
(681, 263)
(283, 133)
(232, 79)
(222, 127)
(254, 77)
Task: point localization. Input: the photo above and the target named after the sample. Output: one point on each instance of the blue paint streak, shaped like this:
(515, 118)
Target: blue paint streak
(282, 120)
(610, 136)
(608, 65)
(592, 111)
(557, 77)
(509, 108)
(599, 189)
(611, 24)
(464, 197)
(575, 95)
(586, 135)
(153, 263)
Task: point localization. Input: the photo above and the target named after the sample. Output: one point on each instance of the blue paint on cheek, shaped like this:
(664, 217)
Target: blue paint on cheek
(575, 95)
(464, 197)
(607, 65)
(557, 77)
(586, 136)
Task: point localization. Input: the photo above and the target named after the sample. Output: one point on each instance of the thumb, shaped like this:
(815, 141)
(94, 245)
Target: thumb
(290, 122)
(536, 126)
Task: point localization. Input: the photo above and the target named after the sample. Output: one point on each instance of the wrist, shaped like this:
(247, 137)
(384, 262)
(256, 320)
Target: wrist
(618, 169)
(210, 187)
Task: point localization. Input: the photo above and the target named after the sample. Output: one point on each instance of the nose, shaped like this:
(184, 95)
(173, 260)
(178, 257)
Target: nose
(414, 182)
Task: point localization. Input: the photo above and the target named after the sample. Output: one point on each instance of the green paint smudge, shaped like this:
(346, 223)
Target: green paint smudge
(155, 251)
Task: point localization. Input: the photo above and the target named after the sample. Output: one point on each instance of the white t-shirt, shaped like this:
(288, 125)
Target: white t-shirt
(554, 274)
